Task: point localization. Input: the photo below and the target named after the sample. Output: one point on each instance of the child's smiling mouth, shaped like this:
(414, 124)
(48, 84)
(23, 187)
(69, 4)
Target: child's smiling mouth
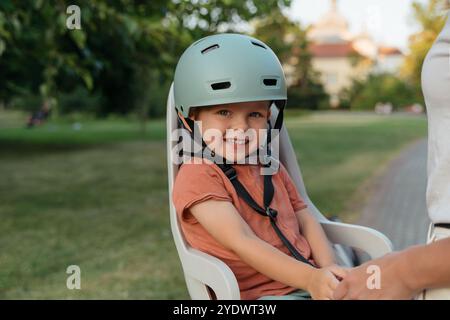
(236, 141)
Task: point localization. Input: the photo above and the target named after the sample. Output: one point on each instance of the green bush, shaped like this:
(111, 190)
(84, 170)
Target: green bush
(364, 95)
(79, 100)
(312, 98)
(28, 102)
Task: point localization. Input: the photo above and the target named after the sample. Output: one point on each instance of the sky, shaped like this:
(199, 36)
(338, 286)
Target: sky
(390, 22)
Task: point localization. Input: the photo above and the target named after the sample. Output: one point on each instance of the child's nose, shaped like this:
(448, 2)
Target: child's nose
(240, 123)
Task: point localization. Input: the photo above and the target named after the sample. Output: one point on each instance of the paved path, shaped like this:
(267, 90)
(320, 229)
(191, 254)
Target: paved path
(397, 207)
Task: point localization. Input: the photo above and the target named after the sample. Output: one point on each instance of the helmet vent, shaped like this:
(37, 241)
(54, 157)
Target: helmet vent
(270, 82)
(221, 85)
(210, 48)
(258, 44)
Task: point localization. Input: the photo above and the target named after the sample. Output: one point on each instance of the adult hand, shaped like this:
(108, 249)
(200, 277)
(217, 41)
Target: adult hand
(361, 283)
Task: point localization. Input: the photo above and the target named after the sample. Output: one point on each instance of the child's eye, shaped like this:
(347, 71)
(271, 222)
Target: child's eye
(224, 113)
(256, 114)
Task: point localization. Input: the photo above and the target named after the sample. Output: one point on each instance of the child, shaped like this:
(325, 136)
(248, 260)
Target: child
(227, 83)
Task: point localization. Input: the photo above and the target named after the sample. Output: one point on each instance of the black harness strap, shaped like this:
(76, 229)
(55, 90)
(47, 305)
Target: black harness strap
(230, 172)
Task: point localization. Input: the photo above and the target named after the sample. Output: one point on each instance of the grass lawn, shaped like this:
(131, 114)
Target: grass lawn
(97, 198)
(67, 133)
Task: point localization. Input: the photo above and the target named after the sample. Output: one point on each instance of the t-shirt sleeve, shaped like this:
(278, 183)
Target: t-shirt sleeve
(196, 183)
(296, 199)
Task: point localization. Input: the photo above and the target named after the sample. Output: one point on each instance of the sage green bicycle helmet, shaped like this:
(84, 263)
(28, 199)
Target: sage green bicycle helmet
(228, 68)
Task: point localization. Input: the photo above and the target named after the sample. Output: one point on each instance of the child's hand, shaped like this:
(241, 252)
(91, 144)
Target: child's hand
(338, 271)
(324, 281)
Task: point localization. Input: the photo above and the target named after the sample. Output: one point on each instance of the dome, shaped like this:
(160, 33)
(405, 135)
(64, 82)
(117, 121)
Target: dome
(332, 27)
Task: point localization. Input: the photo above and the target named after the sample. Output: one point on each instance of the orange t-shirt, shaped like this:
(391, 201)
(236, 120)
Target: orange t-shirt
(196, 183)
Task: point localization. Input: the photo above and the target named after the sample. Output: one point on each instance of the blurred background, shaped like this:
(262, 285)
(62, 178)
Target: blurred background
(82, 132)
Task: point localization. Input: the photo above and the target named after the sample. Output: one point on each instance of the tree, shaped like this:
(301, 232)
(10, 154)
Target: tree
(365, 94)
(288, 40)
(431, 20)
(125, 53)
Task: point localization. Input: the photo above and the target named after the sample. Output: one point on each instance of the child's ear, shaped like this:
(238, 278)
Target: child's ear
(193, 115)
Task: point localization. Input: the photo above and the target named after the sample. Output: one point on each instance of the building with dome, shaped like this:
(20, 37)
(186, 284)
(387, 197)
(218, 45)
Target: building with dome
(340, 56)
(331, 28)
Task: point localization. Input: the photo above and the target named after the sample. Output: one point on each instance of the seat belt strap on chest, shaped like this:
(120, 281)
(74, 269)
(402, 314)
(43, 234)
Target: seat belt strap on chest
(231, 174)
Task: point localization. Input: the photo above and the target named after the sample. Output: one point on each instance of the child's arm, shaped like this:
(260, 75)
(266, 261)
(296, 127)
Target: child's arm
(222, 220)
(323, 254)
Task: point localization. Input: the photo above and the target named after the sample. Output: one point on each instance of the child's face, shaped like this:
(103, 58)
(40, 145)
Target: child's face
(239, 125)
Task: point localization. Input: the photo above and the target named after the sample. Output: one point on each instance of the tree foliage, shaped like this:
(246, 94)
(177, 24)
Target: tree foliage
(124, 55)
(431, 20)
(385, 88)
(288, 40)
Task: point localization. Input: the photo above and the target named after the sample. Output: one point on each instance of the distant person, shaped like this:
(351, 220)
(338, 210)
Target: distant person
(421, 271)
(384, 108)
(40, 116)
